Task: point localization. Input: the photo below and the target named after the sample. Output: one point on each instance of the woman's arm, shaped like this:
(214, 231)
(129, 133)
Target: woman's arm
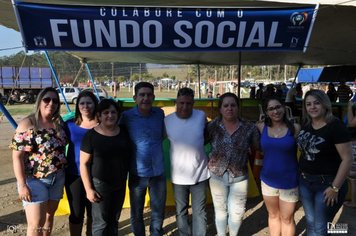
(345, 152)
(85, 161)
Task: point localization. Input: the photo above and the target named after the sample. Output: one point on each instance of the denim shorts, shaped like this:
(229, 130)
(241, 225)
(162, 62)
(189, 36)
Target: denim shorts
(287, 195)
(44, 189)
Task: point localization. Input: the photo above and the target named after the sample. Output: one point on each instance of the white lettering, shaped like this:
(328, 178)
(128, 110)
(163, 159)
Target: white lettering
(220, 34)
(169, 13)
(56, 34)
(179, 13)
(114, 11)
(209, 35)
(101, 30)
(240, 13)
(257, 34)
(146, 12)
(158, 12)
(102, 11)
(135, 12)
(197, 13)
(220, 13)
(209, 13)
(124, 12)
(272, 36)
(241, 34)
(87, 33)
(124, 25)
(186, 39)
(157, 27)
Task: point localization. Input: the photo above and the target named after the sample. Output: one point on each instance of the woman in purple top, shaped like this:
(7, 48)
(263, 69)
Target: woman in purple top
(280, 168)
(84, 120)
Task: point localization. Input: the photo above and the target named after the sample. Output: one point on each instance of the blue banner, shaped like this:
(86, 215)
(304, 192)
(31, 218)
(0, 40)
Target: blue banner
(117, 28)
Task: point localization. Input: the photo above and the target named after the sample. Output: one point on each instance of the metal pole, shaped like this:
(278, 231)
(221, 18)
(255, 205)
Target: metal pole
(8, 116)
(56, 79)
(92, 80)
(239, 77)
(199, 91)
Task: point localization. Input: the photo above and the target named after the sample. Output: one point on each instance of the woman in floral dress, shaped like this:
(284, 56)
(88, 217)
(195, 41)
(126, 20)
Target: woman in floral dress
(38, 161)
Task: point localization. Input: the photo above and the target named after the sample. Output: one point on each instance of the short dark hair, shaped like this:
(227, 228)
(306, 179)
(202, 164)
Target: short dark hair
(106, 103)
(185, 92)
(143, 85)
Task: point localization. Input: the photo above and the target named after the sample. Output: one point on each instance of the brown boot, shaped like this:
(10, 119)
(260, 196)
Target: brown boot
(75, 229)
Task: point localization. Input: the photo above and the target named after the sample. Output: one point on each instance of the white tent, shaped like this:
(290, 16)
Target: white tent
(332, 42)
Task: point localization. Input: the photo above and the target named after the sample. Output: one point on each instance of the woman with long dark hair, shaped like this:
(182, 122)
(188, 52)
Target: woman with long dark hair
(279, 175)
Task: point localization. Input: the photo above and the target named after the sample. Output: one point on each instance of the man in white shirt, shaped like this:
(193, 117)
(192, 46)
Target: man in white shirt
(189, 163)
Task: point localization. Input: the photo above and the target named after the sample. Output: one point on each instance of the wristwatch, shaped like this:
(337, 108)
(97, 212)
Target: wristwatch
(335, 189)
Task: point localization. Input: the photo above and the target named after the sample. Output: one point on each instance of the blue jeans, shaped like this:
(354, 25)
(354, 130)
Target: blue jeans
(181, 197)
(229, 198)
(317, 213)
(157, 191)
(106, 213)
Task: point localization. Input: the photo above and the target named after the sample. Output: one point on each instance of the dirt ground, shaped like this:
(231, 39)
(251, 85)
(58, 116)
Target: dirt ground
(13, 222)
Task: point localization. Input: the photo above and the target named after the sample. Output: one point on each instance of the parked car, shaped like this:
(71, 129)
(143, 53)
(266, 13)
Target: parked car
(101, 92)
(70, 93)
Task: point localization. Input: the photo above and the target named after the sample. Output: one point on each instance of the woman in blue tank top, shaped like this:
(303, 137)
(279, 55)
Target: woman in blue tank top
(84, 120)
(279, 173)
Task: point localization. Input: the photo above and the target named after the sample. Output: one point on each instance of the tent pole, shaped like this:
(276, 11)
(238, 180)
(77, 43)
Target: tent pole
(296, 74)
(239, 77)
(79, 72)
(91, 79)
(56, 79)
(239, 85)
(7, 115)
(199, 91)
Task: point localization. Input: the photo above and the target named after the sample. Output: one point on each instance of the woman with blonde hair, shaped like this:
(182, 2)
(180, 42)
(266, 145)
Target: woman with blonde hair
(38, 161)
(324, 163)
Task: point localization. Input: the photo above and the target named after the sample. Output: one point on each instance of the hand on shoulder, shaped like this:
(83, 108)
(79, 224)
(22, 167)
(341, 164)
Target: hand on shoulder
(260, 124)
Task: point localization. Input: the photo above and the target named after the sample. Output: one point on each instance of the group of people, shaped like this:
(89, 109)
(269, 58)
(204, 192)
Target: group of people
(106, 146)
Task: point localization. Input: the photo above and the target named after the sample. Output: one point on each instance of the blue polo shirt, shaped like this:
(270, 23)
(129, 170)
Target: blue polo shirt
(147, 133)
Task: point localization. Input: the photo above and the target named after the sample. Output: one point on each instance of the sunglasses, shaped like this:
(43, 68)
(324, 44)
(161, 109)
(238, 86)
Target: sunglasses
(47, 100)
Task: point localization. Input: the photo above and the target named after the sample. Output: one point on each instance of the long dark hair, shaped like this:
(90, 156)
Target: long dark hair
(78, 116)
(268, 121)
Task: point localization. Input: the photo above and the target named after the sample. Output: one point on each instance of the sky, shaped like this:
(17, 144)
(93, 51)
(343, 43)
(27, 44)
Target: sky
(9, 39)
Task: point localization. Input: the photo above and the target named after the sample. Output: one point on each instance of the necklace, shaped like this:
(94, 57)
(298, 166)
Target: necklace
(276, 132)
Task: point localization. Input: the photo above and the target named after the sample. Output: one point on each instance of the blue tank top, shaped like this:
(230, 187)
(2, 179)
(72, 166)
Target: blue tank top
(280, 167)
(76, 135)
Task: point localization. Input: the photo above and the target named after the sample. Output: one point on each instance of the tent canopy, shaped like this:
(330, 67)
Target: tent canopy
(332, 41)
(327, 74)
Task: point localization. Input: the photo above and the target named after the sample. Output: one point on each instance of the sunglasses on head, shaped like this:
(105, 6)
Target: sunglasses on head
(48, 100)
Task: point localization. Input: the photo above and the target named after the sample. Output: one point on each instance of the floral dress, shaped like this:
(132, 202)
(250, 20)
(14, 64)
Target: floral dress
(44, 150)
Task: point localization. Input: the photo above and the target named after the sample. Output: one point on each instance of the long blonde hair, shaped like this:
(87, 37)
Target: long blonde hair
(56, 118)
(324, 100)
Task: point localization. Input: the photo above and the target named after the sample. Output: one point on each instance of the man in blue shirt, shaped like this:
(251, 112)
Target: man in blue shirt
(146, 128)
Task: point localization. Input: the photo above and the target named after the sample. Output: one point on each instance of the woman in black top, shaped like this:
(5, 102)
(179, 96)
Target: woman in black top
(324, 164)
(104, 159)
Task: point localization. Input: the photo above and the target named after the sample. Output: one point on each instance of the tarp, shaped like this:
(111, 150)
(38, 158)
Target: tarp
(327, 74)
(332, 41)
(157, 29)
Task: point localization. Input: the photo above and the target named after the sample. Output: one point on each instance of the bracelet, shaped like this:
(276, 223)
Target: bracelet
(334, 188)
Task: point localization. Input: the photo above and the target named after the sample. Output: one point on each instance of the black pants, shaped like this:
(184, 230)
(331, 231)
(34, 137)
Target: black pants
(77, 199)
